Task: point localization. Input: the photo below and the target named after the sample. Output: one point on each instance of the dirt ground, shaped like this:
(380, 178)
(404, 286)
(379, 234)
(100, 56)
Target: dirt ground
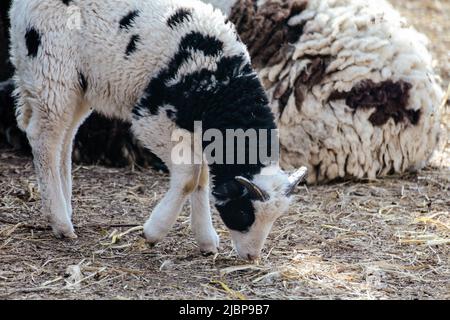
(369, 240)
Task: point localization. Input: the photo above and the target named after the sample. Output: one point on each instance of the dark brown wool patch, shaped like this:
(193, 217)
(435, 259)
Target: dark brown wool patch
(314, 72)
(312, 75)
(265, 29)
(389, 98)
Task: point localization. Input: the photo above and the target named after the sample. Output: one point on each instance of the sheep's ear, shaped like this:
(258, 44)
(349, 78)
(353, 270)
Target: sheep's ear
(253, 189)
(295, 179)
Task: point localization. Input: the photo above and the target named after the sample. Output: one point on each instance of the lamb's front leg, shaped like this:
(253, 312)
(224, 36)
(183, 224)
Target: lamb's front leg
(183, 180)
(201, 222)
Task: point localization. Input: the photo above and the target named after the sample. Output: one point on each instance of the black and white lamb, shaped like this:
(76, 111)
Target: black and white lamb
(161, 65)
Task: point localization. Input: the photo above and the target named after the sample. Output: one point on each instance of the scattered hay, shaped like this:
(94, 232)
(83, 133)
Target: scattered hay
(369, 240)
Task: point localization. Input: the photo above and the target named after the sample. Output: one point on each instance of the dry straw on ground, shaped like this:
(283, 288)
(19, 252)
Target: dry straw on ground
(364, 240)
(382, 239)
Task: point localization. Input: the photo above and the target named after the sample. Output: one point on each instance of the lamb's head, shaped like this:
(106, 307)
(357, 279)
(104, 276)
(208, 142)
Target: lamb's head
(249, 208)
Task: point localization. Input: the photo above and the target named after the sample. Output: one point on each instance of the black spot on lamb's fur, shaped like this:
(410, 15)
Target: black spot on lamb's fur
(127, 21)
(67, 2)
(83, 81)
(132, 45)
(33, 41)
(193, 41)
(179, 17)
(209, 45)
(230, 97)
(388, 98)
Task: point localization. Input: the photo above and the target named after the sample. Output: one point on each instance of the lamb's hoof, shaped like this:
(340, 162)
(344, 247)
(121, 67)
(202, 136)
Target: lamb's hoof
(209, 253)
(153, 234)
(210, 248)
(151, 240)
(66, 232)
(71, 236)
(65, 235)
(151, 244)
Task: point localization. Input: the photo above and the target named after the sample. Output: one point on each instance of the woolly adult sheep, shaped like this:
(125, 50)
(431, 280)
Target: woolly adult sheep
(351, 82)
(161, 65)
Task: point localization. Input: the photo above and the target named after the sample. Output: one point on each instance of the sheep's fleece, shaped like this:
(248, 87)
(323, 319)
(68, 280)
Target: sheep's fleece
(351, 82)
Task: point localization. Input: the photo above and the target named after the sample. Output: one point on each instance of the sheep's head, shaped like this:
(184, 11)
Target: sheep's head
(249, 208)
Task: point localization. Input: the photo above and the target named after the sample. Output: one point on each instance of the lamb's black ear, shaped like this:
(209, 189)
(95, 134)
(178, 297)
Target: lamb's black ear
(228, 190)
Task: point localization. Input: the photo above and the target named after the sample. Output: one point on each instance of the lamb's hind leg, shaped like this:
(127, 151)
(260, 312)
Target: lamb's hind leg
(46, 139)
(50, 118)
(201, 222)
(79, 115)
